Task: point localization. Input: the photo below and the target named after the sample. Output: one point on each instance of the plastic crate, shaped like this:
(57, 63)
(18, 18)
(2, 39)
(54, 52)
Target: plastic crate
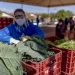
(52, 38)
(68, 59)
(63, 73)
(5, 22)
(49, 66)
(27, 68)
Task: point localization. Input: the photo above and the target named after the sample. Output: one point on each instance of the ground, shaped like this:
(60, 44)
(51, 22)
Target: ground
(49, 30)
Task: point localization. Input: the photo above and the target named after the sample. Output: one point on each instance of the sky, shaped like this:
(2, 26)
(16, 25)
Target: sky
(10, 7)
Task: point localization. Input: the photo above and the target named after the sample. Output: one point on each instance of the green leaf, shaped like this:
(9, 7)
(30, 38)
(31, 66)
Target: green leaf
(22, 48)
(10, 60)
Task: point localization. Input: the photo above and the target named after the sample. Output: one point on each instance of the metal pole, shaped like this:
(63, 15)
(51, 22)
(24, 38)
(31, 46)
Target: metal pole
(48, 10)
(48, 13)
(21, 6)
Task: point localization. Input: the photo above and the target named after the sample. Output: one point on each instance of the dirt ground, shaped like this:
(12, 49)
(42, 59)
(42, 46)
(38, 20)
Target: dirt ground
(49, 30)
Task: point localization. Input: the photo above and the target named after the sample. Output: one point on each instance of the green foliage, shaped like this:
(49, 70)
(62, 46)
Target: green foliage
(56, 42)
(61, 14)
(50, 43)
(70, 13)
(68, 45)
(35, 48)
(44, 15)
(52, 15)
(10, 60)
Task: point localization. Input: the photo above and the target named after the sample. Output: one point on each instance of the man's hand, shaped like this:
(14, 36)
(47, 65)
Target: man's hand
(14, 41)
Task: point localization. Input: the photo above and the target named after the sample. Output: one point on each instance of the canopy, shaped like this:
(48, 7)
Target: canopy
(44, 3)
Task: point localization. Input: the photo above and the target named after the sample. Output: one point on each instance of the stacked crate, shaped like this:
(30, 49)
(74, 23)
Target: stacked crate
(68, 58)
(48, 66)
(5, 21)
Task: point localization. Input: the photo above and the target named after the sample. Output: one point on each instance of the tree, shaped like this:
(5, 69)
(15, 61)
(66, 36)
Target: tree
(61, 14)
(44, 15)
(52, 15)
(0, 12)
(70, 13)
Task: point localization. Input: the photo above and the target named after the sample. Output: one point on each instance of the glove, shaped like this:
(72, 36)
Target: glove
(13, 41)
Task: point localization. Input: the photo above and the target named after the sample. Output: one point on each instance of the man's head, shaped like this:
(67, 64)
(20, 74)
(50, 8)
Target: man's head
(60, 21)
(20, 17)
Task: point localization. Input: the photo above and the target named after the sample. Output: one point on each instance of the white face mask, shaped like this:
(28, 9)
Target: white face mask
(20, 22)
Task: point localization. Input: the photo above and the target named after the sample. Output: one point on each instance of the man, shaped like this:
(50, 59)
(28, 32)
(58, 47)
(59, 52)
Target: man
(37, 20)
(60, 29)
(12, 33)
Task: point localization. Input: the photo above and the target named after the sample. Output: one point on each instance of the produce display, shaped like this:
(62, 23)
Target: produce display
(70, 44)
(56, 42)
(34, 48)
(10, 60)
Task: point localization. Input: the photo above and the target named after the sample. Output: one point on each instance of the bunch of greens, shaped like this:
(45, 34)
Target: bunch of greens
(10, 60)
(57, 42)
(35, 48)
(68, 45)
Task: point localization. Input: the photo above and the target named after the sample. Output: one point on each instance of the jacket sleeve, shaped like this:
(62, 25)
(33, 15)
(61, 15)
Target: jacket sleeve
(38, 32)
(33, 30)
(5, 35)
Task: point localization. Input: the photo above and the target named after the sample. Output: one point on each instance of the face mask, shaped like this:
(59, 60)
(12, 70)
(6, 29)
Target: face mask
(20, 22)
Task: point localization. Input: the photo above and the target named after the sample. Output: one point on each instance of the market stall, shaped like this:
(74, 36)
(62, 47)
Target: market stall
(50, 65)
(44, 3)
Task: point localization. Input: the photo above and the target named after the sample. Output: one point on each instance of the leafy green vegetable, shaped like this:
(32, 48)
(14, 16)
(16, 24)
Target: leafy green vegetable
(10, 60)
(37, 44)
(68, 45)
(36, 48)
(57, 42)
(22, 48)
(50, 43)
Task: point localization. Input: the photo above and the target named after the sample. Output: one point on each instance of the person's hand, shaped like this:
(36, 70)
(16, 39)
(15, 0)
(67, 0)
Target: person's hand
(14, 41)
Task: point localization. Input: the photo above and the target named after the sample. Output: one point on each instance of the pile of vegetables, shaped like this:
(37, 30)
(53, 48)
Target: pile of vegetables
(34, 48)
(70, 44)
(56, 42)
(10, 60)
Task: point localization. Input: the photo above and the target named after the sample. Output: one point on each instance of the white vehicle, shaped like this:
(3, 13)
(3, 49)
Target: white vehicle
(55, 22)
(36, 23)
